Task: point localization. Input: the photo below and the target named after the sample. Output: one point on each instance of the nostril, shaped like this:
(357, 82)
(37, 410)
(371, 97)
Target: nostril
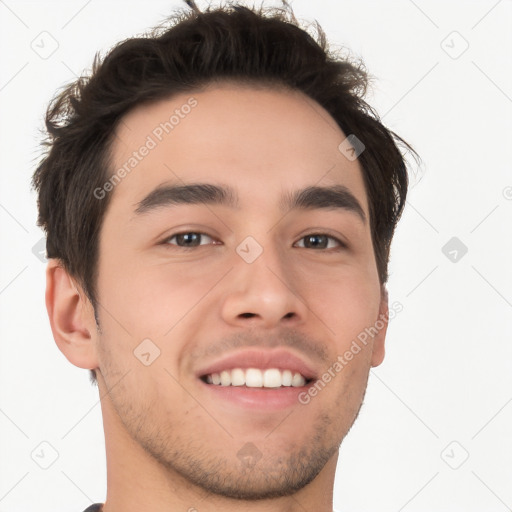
(247, 315)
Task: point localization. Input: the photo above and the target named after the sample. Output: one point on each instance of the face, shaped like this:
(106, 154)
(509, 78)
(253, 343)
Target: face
(236, 233)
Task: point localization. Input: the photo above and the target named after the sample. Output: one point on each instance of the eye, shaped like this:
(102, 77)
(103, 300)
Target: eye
(189, 239)
(320, 241)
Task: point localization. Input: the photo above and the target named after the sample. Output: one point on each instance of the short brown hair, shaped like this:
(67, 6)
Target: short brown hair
(193, 49)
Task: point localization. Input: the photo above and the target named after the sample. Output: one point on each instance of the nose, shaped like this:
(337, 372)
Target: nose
(263, 293)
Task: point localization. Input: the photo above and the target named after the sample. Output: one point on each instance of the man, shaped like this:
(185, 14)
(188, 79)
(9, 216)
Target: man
(219, 203)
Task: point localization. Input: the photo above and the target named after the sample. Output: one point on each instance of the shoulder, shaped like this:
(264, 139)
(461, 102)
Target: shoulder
(94, 508)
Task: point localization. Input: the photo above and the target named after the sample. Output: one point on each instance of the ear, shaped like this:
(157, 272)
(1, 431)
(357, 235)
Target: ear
(382, 324)
(71, 317)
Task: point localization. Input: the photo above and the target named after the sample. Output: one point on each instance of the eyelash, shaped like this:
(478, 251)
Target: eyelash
(341, 245)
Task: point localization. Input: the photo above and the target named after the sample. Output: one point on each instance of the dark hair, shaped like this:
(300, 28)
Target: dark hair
(191, 50)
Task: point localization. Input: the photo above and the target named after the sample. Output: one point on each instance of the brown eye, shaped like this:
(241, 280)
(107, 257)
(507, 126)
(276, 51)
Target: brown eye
(190, 239)
(320, 241)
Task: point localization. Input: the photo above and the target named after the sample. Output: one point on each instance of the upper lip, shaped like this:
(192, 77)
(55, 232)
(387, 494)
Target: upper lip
(257, 358)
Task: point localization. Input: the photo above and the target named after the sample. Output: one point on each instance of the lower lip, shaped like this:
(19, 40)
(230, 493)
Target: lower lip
(258, 398)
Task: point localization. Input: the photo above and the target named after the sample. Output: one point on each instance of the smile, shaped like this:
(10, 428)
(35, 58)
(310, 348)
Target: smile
(256, 378)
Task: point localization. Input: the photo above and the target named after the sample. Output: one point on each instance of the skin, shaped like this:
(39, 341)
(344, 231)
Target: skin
(169, 446)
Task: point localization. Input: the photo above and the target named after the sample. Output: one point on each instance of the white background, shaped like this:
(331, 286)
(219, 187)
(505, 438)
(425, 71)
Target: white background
(447, 376)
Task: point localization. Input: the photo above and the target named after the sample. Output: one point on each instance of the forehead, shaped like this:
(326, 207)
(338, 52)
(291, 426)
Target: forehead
(259, 140)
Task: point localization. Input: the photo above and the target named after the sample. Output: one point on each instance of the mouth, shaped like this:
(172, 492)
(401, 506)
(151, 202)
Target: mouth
(263, 378)
(257, 380)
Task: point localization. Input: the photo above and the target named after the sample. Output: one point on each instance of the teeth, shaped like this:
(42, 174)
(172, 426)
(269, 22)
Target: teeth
(256, 378)
(253, 378)
(272, 378)
(287, 377)
(298, 380)
(225, 378)
(237, 377)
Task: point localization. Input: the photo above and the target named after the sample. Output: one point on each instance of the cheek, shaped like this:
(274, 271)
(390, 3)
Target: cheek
(347, 302)
(149, 300)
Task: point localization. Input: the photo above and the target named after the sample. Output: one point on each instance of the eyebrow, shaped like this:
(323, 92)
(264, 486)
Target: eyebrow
(309, 198)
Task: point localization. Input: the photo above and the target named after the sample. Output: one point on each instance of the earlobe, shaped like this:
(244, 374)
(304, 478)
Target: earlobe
(381, 324)
(70, 314)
